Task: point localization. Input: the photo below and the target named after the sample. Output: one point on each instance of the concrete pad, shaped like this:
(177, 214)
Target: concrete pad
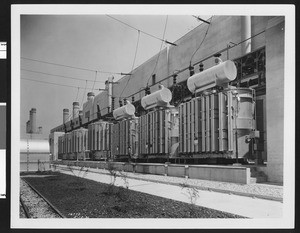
(240, 205)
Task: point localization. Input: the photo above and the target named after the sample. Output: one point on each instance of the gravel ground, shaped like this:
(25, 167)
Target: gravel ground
(22, 212)
(36, 206)
(267, 191)
(82, 198)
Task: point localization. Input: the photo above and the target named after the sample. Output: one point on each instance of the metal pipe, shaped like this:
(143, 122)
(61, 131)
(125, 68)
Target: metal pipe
(75, 109)
(246, 33)
(110, 92)
(65, 115)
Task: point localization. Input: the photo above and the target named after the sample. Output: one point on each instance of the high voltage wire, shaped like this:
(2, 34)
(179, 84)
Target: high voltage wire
(209, 24)
(95, 80)
(136, 49)
(146, 33)
(73, 67)
(62, 76)
(202, 60)
(57, 84)
(159, 50)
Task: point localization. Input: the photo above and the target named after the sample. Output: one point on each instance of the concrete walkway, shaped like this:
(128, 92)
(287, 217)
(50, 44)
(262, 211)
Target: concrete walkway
(240, 205)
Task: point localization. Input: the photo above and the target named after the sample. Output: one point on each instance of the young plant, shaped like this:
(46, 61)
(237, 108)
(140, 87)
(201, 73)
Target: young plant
(113, 176)
(193, 194)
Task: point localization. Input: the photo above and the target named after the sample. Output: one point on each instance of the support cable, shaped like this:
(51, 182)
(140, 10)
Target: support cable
(202, 40)
(73, 67)
(62, 76)
(204, 59)
(57, 84)
(159, 51)
(94, 80)
(136, 49)
(146, 33)
(83, 94)
(77, 94)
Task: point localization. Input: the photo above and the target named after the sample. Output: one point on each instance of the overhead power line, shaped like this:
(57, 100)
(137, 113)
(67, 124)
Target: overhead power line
(62, 76)
(204, 21)
(57, 84)
(202, 60)
(136, 49)
(202, 40)
(165, 28)
(146, 33)
(73, 67)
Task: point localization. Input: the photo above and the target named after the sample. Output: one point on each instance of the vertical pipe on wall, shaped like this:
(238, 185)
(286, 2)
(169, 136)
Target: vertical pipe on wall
(75, 109)
(110, 92)
(245, 34)
(65, 115)
(168, 50)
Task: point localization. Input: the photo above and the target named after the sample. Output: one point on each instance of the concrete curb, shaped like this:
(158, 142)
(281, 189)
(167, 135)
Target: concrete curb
(230, 192)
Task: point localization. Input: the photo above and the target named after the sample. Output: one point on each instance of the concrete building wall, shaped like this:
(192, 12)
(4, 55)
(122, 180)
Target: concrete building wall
(53, 143)
(275, 97)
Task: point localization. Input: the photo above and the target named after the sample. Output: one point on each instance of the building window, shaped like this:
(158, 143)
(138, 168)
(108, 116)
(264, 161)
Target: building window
(153, 79)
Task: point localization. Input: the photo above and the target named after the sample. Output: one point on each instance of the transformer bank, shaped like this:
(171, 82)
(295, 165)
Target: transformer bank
(243, 105)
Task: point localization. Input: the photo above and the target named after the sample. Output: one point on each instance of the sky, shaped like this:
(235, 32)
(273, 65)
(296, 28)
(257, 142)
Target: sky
(93, 42)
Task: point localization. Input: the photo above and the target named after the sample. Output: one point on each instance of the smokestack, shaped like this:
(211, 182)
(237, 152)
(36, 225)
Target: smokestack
(65, 115)
(246, 33)
(75, 109)
(33, 121)
(90, 95)
(28, 126)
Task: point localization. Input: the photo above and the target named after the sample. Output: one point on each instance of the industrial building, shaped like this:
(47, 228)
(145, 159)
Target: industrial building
(31, 127)
(34, 150)
(254, 43)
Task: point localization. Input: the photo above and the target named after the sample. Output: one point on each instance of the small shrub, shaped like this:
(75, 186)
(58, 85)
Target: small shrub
(193, 194)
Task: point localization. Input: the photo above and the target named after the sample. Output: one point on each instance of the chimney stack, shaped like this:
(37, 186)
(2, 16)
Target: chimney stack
(28, 126)
(33, 121)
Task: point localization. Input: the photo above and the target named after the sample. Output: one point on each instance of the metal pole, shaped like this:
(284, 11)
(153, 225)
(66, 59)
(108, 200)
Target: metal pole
(236, 140)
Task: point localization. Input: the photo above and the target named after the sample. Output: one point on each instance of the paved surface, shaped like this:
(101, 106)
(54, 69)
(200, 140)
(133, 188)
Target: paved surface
(241, 205)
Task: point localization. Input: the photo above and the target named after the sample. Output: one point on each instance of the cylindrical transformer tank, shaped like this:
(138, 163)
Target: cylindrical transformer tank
(125, 111)
(65, 115)
(159, 98)
(217, 75)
